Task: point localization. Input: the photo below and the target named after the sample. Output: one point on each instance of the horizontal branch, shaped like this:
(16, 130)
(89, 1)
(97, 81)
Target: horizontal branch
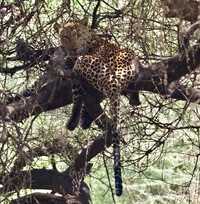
(17, 68)
(41, 198)
(61, 183)
(156, 78)
(32, 58)
(51, 96)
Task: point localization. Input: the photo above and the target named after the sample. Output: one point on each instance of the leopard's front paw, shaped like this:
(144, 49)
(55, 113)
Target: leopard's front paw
(72, 124)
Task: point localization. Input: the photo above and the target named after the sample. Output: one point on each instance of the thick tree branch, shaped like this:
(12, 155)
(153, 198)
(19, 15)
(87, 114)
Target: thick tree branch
(51, 96)
(44, 179)
(155, 78)
(41, 198)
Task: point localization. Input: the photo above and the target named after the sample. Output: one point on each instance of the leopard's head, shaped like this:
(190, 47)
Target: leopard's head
(76, 36)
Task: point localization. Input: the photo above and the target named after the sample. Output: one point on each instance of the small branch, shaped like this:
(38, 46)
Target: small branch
(117, 14)
(108, 177)
(26, 18)
(99, 145)
(54, 147)
(17, 68)
(190, 31)
(38, 56)
(94, 15)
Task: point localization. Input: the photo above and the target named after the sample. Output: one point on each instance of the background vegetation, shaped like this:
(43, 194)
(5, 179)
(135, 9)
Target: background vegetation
(160, 152)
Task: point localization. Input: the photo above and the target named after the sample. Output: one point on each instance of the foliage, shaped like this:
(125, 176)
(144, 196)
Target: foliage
(160, 151)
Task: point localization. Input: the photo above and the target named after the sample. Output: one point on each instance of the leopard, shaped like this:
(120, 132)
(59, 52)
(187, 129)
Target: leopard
(107, 67)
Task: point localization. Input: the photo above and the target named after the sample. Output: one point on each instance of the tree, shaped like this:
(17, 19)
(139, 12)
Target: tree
(36, 95)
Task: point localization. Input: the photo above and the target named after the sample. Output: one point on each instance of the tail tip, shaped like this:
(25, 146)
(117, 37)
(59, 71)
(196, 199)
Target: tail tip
(119, 191)
(118, 187)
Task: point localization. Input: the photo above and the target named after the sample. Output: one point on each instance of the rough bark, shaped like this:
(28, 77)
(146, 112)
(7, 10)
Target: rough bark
(45, 179)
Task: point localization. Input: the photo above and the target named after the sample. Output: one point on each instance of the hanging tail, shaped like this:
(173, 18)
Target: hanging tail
(117, 164)
(115, 105)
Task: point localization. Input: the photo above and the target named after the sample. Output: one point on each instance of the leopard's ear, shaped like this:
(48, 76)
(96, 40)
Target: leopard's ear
(84, 21)
(57, 27)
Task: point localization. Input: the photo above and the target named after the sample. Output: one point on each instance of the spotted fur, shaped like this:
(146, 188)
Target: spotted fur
(107, 68)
